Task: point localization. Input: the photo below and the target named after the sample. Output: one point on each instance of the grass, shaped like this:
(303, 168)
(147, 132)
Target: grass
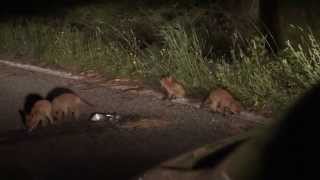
(164, 47)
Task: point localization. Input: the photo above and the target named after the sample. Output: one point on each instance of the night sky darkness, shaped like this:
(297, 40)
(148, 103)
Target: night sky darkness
(34, 7)
(11, 8)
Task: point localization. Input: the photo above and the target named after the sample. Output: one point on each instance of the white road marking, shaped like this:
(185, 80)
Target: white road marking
(41, 70)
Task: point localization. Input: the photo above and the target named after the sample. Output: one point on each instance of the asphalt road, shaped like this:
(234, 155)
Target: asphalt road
(83, 149)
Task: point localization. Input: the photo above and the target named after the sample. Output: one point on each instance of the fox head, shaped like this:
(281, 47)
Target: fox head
(31, 122)
(235, 107)
(167, 81)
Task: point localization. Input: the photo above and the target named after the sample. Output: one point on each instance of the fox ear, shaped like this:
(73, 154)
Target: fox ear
(169, 79)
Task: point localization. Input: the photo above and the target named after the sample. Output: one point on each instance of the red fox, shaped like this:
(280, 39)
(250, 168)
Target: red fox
(40, 112)
(220, 100)
(67, 104)
(173, 88)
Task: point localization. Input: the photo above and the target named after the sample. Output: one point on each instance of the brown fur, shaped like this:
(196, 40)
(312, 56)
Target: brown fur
(220, 100)
(65, 105)
(40, 112)
(173, 88)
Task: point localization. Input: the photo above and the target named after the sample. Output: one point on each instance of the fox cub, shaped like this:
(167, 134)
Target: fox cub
(220, 100)
(174, 89)
(67, 104)
(40, 112)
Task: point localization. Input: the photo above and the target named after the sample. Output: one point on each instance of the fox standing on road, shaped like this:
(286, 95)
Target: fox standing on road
(67, 104)
(40, 112)
(220, 100)
(173, 88)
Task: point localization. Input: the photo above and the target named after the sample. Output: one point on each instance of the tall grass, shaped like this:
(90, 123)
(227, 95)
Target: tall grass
(182, 57)
(252, 75)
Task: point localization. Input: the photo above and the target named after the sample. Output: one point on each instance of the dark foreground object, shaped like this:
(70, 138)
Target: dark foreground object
(96, 150)
(286, 150)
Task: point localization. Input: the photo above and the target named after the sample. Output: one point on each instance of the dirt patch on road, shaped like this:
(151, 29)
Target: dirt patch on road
(146, 123)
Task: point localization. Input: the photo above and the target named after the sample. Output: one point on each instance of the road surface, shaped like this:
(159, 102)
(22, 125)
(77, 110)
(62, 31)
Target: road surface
(84, 149)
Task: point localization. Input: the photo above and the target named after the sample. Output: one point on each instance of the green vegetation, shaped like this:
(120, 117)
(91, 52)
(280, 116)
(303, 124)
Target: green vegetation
(169, 40)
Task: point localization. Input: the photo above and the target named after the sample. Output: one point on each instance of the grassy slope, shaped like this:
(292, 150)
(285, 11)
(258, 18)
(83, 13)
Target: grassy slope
(203, 49)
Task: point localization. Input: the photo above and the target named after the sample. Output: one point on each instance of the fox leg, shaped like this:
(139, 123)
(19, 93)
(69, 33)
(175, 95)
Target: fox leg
(205, 102)
(75, 112)
(221, 108)
(64, 114)
(49, 117)
(215, 106)
(33, 124)
(169, 96)
(44, 121)
(57, 114)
